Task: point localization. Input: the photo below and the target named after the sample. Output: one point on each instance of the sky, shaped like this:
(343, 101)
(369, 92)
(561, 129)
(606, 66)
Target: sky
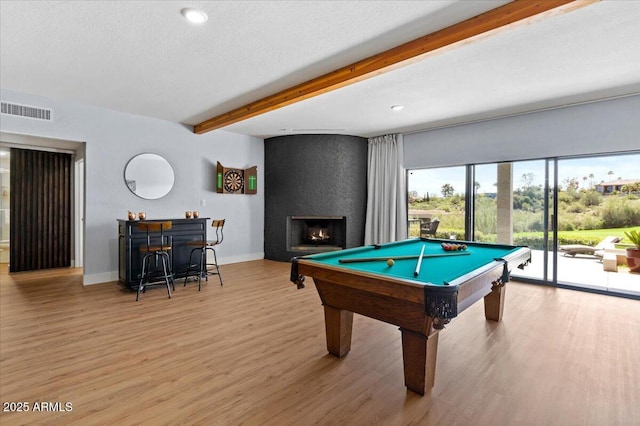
(622, 166)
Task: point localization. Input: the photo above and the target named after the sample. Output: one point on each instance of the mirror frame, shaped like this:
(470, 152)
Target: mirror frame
(149, 176)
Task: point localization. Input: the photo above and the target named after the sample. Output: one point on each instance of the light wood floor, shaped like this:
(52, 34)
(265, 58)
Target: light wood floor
(253, 352)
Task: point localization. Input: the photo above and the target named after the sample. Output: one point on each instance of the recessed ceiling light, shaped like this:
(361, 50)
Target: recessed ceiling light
(397, 107)
(194, 16)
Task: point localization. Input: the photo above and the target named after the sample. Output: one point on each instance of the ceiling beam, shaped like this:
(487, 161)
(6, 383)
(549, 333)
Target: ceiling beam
(485, 24)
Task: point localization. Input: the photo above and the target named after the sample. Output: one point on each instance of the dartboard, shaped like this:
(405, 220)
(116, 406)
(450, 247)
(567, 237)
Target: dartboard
(233, 180)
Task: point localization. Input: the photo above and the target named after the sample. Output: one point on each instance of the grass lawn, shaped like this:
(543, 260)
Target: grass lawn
(600, 234)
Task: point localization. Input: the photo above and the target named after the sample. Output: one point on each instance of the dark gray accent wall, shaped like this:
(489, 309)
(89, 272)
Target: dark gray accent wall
(313, 175)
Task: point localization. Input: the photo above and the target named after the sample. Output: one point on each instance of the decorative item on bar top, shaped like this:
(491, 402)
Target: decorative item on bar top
(142, 215)
(132, 215)
(196, 214)
(187, 214)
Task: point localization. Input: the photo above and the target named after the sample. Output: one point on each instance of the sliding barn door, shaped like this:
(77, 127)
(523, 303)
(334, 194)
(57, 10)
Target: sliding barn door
(40, 216)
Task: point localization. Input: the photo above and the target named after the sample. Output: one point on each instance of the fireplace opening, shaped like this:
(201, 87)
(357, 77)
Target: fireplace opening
(318, 235)
(315, 233)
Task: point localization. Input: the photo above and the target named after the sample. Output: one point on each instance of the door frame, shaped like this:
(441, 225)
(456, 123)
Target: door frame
(77, 150)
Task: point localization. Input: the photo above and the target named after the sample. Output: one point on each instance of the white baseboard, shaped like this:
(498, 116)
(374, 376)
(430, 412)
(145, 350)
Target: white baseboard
(105, 277)
(242, 258)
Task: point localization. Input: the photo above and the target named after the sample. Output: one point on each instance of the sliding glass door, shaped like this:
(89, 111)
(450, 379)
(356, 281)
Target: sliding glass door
(513, 204)
(437, 194)
(485, 218)
(572, 212)
(598, 200)
(532, 215)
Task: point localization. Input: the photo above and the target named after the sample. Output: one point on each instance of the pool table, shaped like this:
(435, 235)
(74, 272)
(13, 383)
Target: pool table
(363, 280)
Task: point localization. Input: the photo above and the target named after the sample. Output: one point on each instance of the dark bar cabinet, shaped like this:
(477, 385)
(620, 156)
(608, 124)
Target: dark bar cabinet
(130, 239)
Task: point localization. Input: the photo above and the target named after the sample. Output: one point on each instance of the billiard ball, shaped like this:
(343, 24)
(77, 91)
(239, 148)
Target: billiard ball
(390, 262)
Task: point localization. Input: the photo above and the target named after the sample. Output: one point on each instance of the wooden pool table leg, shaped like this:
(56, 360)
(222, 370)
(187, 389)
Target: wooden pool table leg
(494, 302)
(338, 324)
(419, 359)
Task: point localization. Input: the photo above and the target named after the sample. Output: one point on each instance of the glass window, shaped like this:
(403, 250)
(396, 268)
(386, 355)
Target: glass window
(437, 195)
(548, 205)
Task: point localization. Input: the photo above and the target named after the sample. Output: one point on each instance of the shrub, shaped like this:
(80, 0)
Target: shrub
(486, 238)
(576, 207)
(445, 233)
(453, 220)
(536, 225)
(591, 198)
(619, 213)
(565, 197)
(573, 239)
(582, 210)
(534, 240)
(566, 224)
(591, 221)
(527, 221)
(485, 215)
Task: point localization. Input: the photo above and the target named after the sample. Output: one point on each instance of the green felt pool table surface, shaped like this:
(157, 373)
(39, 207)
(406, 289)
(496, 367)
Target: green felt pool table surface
(434, 270)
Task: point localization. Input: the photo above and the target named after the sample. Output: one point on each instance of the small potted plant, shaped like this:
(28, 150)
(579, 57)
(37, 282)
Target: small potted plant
(633, 253)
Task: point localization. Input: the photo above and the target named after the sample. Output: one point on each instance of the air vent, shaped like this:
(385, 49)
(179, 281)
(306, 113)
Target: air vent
(26, 111)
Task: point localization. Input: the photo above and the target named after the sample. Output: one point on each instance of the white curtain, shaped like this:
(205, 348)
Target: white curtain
(386, 191)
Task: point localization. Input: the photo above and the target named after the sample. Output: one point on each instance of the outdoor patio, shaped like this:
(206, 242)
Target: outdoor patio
(584, 271)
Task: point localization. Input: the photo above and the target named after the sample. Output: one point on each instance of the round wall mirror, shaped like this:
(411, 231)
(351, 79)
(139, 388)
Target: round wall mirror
(149, 176)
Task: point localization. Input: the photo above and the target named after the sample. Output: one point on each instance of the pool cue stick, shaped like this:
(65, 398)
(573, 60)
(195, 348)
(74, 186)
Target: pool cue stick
(375, 259)
(412, 256)
(419, 264)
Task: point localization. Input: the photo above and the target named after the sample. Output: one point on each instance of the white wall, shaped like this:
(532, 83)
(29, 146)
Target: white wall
(600, 127)
(112, 138)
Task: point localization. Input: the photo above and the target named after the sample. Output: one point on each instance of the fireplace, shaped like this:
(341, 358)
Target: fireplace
(321, 177)
(314, 234)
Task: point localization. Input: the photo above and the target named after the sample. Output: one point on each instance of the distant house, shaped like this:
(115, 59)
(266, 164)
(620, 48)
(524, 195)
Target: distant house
(615, 185)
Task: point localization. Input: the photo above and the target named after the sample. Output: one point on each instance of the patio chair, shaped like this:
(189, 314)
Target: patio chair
(429, 227)
(597, 250)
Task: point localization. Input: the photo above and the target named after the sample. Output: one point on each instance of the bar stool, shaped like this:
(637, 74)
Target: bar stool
(200, 265)
(155, 249)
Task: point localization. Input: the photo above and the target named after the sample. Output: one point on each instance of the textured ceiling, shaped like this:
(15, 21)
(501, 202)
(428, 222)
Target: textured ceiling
(143, 58)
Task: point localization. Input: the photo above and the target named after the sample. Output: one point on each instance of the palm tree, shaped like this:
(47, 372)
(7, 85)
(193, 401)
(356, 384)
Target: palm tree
(610, 174)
